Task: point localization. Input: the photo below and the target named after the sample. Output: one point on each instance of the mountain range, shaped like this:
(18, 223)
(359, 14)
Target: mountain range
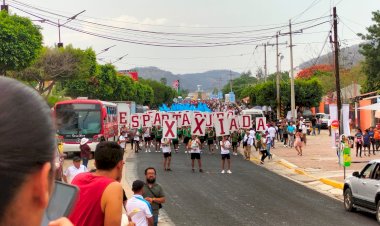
(208, 80)
(349, 56)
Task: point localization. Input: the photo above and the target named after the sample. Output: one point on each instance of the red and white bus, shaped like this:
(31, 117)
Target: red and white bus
(92, 119)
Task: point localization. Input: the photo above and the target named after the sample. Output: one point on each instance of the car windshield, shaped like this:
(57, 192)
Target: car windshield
(78, 120)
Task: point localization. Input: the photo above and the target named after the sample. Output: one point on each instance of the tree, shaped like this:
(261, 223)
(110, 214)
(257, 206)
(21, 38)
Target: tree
(308, 93)
(162, 93)
(20, 42)
(164, 80)
(371, 51)
(58, 64)
(310, 71)
(238, 84)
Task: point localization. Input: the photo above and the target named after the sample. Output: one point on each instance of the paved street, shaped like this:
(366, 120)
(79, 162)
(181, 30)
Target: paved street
(251, 195)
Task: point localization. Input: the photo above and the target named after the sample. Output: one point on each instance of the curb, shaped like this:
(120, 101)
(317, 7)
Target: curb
(332, 183)
(286, 164)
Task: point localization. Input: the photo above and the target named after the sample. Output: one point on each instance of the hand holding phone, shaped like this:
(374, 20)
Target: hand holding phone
(60, 204)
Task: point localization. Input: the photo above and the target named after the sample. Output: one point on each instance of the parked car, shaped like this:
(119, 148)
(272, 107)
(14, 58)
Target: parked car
(324, 119)
(362, 190)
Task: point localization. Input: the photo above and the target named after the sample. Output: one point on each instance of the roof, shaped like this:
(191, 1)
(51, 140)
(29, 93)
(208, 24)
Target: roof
(85, 101)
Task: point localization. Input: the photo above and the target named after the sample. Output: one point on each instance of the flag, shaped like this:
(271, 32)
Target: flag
(175, 84)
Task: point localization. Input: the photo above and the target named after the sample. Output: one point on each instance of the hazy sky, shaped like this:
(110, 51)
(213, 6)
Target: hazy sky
(195, 22)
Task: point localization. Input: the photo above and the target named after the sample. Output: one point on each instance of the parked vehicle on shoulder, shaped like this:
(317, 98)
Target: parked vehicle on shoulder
(324, 119)
(361, 191)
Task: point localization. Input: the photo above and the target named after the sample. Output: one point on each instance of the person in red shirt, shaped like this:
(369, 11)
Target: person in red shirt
(100, 198)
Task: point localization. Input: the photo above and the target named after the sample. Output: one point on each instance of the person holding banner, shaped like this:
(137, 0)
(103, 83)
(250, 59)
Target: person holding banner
(210, 140)
(158, 136)
(247, 143)
(195, 153)
(187, 136)
(175, 141)
(234, 140)
(165, 145)
(225, 147)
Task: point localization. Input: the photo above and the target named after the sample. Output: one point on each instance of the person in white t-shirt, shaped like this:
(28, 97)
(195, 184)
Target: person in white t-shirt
(122, 141)
(166, 150)
(147, 139)
(225, 147)
(139, 210)
(272, 133)
(195, 152)
(74, 170)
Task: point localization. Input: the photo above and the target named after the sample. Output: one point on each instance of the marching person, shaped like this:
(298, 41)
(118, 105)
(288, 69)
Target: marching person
(195, 152)
(158, 138)
(165, 145)
(153, 193)
(234, 140)
(175, 141)
(225, 146)
(136, 140)
(147, 139)
(122, 140)
(298, 142)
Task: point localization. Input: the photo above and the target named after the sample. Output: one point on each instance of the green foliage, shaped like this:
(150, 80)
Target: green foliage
(371, 52)
(308, 93)
(20, 42)
(162, 93)
(238, 84)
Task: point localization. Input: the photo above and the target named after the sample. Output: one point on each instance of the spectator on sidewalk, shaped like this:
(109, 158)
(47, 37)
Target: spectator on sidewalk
(225, 147)
(285, 134)
(313, 124)
(27, 164)
(304, 132)
(153, 192)
(376, 135)
(139, 210)
(366, 143)
(298, 142)
(100, 193)
(371, 134)
(74, 170)
(264, 147)
(247, 143)
(291, 132)
(85, 151)
(319, 123)
(359, 142)
(122, 140)
(272, 133)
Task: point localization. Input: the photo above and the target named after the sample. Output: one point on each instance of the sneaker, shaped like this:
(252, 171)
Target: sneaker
(229, 171)
(261, 162)
(146, 150)
(222, 171)
(149, 150)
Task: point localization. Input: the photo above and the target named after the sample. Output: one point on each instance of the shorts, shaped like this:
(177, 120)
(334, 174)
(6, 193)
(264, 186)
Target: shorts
(175, 141)
(226, 156)
(186, 140)
(202, 140)
(366, 145)
(152, 136)
(158, 140)
(234, 144)
(146, 139)
(285, 136)
(195, 155)
(209, 142)
(167, 154)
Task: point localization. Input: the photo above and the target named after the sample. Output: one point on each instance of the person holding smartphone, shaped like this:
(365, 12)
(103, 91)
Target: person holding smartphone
(27, 176)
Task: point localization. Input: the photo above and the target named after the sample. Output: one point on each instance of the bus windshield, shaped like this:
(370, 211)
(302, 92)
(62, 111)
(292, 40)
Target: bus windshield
(78, 119)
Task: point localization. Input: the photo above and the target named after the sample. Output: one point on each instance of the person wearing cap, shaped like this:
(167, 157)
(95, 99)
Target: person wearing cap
(139, 210)
(85, 151)
(74, 170)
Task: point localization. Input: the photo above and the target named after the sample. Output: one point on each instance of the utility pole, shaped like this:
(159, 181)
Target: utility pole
(60, 44)
(337, 80)
(292, 94)
(277, 80)
(4, 6)
(265, 62)
(230, 81)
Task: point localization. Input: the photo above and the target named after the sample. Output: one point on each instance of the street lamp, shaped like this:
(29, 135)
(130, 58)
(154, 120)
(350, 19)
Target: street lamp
(60, 44)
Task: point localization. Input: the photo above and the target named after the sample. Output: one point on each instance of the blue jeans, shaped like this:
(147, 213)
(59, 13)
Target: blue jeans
(313, 131)
(268, 149)
(155, 220)
(85, 161)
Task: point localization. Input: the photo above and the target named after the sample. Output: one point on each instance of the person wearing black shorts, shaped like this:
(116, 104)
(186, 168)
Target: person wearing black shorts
(210, 140)
(225, 147)
(158, 138)
(195, 152)
(165, 145)
(187, 136)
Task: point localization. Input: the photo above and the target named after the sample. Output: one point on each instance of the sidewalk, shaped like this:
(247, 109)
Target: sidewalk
(318, 167)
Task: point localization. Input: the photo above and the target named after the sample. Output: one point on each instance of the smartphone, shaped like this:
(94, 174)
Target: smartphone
(61, 202)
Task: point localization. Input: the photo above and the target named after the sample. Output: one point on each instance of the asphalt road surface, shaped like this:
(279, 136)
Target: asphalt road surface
(251, 195)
